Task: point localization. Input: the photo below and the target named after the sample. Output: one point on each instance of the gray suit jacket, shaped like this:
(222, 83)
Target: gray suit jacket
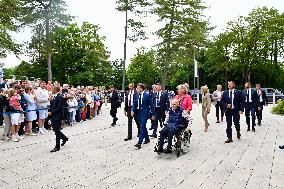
(215, 97)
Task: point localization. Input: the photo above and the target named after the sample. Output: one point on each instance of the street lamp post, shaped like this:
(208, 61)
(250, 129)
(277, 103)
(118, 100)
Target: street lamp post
(125, 40)
(195, 75)
(1, 72)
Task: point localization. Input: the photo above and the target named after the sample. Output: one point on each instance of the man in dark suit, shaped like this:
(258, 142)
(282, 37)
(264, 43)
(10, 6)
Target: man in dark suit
(262, 101)
(56, 113)
(232, 101)
(161, 105)
(142, 103)
(129, 99)
(251, 104)
(114, 101)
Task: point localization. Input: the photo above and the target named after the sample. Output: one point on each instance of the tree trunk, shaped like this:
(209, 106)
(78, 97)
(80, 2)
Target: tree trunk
(275, 52)
(48, 47)
(168, 49)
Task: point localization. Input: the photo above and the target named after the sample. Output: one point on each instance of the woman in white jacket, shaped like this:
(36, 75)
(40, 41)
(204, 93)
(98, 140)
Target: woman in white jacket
(72, 106)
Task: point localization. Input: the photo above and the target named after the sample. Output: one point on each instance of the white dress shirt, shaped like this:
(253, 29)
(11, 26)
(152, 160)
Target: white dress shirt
(248, 91)
(233, 96)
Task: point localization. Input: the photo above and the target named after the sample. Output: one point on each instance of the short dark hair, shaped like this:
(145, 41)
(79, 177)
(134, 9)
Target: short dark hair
(28, 89)
(233, 81)
(248, 82)
(141, 85)
(158, 83)
(56, 88)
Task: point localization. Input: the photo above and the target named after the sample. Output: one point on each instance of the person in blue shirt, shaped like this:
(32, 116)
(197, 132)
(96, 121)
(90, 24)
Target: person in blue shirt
(233, 103)
(142, 106)
(174, 125)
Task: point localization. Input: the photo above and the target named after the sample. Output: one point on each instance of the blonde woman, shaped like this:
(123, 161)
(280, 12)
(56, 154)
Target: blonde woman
(206, 105)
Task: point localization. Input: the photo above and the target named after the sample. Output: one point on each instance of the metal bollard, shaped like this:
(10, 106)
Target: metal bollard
(274, 98)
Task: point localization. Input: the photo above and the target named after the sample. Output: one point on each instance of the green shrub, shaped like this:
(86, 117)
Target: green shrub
(279, 109)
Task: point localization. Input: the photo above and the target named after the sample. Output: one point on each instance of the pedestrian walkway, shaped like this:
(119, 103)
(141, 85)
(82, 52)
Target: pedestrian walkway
(96, 156)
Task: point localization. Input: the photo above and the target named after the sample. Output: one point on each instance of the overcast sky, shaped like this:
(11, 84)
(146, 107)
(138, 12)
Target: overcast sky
(111, 22)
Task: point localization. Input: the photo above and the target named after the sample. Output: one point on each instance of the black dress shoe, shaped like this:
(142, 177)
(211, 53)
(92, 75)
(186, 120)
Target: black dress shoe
(54, 150)
(126, 139)
(158, 150)
(150, 128)
(253, 129)
(218, 121)
(248, 129)
(239, 135)
(146, 141)
(64, 142)
(138, 146)
(281, 147)
(153, 136)
(167, 151)
(113, 124)
(228, 141)
(259, 123)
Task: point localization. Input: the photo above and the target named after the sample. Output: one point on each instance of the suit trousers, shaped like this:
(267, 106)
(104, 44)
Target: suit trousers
(259, 114)
(130, 118)
(1, 116)
(143, 118)
(219, 108)
(113, 112)
(160, 118)
(56, 126)
(250, 111)
(232, 116)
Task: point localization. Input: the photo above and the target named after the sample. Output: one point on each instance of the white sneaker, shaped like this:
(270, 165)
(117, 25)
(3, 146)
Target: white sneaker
(20, 137)
(15, 139)
(44, 130)
(33, 134)
(41, 132)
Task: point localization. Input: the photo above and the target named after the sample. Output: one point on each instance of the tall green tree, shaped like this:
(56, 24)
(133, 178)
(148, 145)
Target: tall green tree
(11, 20)
(183, 28)
(46, 15)
(143, 68)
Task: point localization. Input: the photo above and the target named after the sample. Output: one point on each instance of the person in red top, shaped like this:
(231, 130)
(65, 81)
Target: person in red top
(185, 100)
(49, 85)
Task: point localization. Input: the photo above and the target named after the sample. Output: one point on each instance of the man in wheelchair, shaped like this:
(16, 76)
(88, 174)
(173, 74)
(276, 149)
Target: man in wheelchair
(175, 124)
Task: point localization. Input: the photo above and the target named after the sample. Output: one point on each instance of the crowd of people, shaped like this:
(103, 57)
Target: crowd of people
(24, 107)
(29, 109)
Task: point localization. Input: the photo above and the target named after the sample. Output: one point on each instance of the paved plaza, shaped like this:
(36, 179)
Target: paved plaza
(96, 156)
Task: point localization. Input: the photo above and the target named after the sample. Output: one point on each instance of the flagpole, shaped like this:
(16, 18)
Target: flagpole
(194, 74)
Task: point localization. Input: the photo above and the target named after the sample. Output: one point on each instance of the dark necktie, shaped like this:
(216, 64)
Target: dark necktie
(130, 99)
(247, 95)
(139, 102)
(157, 99)
(231, 96)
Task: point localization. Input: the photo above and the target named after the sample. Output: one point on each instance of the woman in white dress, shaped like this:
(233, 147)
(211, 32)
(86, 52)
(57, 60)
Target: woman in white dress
(31, 113)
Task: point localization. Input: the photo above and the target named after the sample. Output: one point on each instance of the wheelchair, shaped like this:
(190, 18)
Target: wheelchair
(181, 141)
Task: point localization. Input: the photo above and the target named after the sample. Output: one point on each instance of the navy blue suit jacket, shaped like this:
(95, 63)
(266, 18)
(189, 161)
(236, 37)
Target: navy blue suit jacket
(57, 107)
(254, 98)
(146, 107)
(126, 104)
(238, 100)
(164, 103)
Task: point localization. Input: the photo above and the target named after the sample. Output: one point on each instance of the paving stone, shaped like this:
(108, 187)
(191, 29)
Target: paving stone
(96, 156)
